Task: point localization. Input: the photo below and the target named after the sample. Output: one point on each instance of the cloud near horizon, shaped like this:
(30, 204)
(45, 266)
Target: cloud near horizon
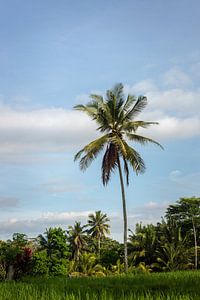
(34, 226)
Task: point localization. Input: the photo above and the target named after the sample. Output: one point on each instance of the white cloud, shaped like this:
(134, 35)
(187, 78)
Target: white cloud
(53, 129)
(156, 207)
(143, 87)
(38, 225)
(176, 107)
(176, 101)
(174, 128)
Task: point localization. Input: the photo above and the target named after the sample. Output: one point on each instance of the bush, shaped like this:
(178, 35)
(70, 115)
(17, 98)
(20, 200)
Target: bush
(40, 263)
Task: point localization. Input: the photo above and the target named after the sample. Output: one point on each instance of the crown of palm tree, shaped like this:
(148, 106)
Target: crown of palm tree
(76, 237)
(115, 118)
(98, 224)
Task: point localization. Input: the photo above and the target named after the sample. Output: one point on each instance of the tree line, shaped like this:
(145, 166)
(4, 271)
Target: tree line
(87, 250)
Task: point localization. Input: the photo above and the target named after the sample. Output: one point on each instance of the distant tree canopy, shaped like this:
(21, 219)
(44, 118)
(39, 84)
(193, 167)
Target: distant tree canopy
(186, 212)
(171, 244)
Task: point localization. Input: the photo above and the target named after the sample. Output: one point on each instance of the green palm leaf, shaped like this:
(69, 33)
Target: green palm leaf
(142, 139)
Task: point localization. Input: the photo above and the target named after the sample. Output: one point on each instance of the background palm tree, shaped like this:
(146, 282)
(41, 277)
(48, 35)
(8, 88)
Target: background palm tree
(114, 117)
(77, 239)
(99, 227)
(186, 212)
(142, 244)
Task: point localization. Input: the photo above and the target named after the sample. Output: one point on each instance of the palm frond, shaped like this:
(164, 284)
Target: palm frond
(119, 95)
(91, 151)
(129, 102)
(129, 154)
(137, 108)
(97, 98)
(134, 125)
(90, 110)
(118, 91)
(142, 139)
(134, 158)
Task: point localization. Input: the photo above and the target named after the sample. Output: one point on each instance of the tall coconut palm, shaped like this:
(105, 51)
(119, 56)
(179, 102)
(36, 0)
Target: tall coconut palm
(99, 226)
(115, 119)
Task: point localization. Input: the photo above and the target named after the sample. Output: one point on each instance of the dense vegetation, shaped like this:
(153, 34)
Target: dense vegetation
(86, 250)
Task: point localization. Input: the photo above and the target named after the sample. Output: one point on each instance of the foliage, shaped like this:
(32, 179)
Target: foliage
(20, 239)
(54, 242)
(142, 244)
(22, 262)
(15, 256)
(89, 265)
(111, 252)
(40, 263)
(186, 212)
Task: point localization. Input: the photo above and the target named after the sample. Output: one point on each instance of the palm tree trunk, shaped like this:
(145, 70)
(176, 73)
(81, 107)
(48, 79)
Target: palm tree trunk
(124, 215)
(99, 245)
(195, 245)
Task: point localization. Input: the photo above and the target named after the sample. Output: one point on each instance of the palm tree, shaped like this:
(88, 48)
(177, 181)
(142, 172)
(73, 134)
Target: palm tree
(98, 226)
(114, 117)
(77, 239)
(186, 212)
(142, 244)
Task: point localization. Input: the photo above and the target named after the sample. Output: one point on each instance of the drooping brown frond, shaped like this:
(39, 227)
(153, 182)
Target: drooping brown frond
(109, 162)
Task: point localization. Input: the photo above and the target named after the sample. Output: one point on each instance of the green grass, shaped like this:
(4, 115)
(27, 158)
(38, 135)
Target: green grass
(177, 285)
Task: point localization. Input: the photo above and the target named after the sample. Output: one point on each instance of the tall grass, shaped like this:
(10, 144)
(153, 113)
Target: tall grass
(178, 285)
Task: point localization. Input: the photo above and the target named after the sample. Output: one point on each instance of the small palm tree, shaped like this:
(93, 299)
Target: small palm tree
(77, 239)
(115, 118)
(99, 227)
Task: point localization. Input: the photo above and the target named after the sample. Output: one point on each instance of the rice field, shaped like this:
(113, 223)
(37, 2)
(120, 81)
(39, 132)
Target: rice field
(176, 285)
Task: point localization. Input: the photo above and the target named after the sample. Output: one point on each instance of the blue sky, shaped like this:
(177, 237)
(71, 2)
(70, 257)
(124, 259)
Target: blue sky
(53, 54)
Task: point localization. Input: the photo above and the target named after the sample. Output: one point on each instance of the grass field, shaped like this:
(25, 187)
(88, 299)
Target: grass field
(177, 285)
